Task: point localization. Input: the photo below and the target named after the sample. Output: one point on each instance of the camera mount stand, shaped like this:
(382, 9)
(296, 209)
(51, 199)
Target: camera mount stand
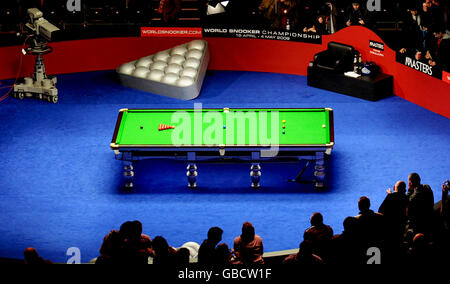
(40, 85)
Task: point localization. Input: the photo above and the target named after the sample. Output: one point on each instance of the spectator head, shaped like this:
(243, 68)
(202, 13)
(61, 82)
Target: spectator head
(248, 232)
(126, 229)
(182, 256)
(350, 225)
(160, 246)
(413, 180)
(288, 3)
(136, 229)
(400, 187)
(131, 230)
(413, 10)
(320, 19)
(31, 256)
(418, 238)
(223, 253)
(215, 234)
(364, 204)
(355, 5)
(439, 33)
(316, 219)
(419, 242)
(305, 249)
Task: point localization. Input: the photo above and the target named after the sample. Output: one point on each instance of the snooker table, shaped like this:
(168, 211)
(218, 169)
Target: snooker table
(244, 135)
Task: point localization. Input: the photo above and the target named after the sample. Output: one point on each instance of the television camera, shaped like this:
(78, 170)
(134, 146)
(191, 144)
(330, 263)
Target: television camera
(40, 32)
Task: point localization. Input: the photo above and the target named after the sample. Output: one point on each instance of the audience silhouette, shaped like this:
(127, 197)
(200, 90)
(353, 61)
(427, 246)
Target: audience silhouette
(248, 247)
(408, 228)
(32, 257)
(209, 252)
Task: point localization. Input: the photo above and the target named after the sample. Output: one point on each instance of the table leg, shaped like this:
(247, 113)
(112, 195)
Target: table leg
(319, 172)
(128, 173)
(255, 174)
(192, 175)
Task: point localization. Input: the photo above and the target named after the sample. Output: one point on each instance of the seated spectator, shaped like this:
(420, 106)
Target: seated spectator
(193, 248)
(282, 14)
(181, 256)
(169, 10)
(208, 253)
(441, 50)
(248, 247)
(412, 36)
(443, 205)
(331, 15)
(223, 254)
(346, 248)
(356, 15)
(437, 13)
(110, 250)
(305, 255)
(426, 23)
(421, 251)
(32, 257)
(394, 210)
(163, 253)
(319, 26)
(319, 235)
(267, 9)
(307, 18)
(442, 213)
(288, 15)
(136, 246)
(420, 205)
(371, 224)
(128, 245)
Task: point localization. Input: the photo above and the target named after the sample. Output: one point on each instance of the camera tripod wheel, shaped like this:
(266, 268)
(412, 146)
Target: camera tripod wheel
(52, 99)
(18, 95)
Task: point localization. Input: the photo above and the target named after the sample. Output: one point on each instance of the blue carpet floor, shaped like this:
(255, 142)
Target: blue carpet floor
(60, 185)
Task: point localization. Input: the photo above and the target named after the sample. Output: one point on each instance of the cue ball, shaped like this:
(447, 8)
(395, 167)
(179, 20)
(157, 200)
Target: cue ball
(185, 82)
(192, 63)
(323, 125)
